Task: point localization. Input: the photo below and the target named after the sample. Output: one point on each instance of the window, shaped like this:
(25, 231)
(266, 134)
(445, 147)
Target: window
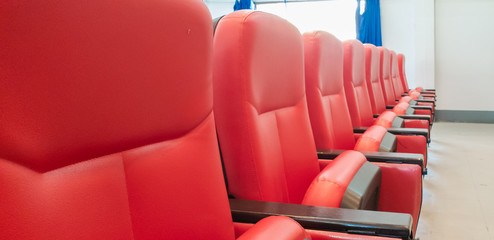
(336, 17)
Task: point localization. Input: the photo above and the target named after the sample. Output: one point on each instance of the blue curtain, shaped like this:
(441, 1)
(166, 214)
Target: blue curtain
(368, 25)
(242, 4)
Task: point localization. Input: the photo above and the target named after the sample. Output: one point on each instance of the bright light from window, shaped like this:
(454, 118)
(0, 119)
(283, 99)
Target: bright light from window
(362, 7)
(336, 17)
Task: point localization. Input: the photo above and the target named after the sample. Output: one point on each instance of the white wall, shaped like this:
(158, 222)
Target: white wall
(408, 27)
(465, 54)
(218, 8)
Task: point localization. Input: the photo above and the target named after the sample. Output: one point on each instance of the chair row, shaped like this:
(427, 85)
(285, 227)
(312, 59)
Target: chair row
(274, 107)
(111, 122)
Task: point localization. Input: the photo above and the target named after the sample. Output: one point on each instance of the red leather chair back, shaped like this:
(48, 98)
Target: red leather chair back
(401, 70)
(372, 77)
(260, 108)
(386, 81)
(356, 91)
(395, 76)
(328, 110)
(106, 128)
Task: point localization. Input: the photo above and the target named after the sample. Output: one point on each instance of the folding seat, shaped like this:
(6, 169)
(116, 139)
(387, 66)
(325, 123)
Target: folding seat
(404, 81)
(264, 131)
(388, 90)
(396, 117)
(102, 126)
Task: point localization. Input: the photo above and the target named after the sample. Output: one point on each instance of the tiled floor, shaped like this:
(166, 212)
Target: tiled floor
(458, 198)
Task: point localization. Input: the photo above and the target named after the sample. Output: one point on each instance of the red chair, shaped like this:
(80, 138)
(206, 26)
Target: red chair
(388, 90)
(264, 128)
(372, 77)
(414, 97)
(402, 74)
(400, 110)
(398, 84)
(328, 109)
(358, 100)
(103, 122)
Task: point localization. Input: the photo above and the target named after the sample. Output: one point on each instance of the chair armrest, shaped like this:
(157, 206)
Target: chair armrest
(386, 157)
(417, 117)
(373, 223)
(398, 131)
(426, 101)
(409, 131)
(428, 92)
(390, 106)
(421, 107)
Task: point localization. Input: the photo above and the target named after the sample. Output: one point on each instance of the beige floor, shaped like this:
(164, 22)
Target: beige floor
(458, 198)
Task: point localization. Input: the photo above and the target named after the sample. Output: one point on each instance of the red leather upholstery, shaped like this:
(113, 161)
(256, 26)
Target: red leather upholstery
(386, 81)
(329, 114)
(328, 110)
(320, 235)
(276, 227)
(240, 228)
(328, 188)
(400, 87)
(371, 139)
(387, 86)
(401, 108)
(400, 190)
(102, 123)
(386, 119)
(376, 94)
(260, 108)
(399, 79)
(372, 77)
(395, 76)
(412, 144)
(357, 93)
(414, 94)
(401, 71)
(406, 99)
(354, 83)
(94, 138)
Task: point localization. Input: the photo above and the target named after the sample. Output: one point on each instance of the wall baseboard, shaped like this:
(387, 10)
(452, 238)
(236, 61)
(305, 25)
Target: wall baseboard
(465, 116)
